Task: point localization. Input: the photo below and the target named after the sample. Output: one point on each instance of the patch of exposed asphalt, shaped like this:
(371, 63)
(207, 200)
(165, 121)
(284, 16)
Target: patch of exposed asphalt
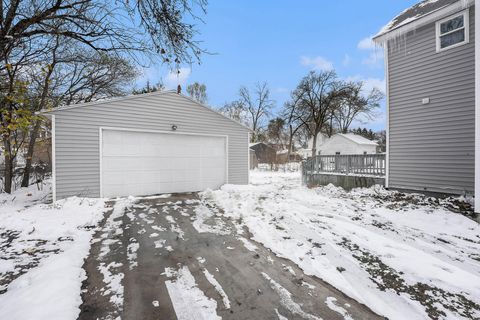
(387, 278)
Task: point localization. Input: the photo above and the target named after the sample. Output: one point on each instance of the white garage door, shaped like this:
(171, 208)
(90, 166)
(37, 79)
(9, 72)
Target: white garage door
(144, 163)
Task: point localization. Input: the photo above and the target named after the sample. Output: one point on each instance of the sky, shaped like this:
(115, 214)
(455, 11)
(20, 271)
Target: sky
(279, 42)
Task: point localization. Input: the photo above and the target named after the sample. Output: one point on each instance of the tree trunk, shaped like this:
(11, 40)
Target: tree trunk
(314, 144)
(31, 147)
(330, 131)
(290, 141)
(8, 166)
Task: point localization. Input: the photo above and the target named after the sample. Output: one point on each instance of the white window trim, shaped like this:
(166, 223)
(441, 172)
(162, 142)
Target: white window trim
(466, 28)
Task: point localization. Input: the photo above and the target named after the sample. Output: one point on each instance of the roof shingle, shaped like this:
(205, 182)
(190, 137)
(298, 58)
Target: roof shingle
(415, 12)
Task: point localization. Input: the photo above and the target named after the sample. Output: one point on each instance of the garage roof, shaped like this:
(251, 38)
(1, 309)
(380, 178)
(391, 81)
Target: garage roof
(132, 97)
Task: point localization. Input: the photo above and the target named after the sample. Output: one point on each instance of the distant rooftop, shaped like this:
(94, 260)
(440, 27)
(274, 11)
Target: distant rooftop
(415, 12)
(358, 139)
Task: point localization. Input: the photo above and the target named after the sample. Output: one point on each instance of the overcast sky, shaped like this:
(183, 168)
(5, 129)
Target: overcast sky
(280, 41)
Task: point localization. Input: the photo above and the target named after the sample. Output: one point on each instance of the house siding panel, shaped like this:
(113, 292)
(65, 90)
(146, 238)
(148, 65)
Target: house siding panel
(432, 146)
(77, 136)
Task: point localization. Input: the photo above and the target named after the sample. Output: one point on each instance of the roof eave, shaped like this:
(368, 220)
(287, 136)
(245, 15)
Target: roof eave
(73, 106)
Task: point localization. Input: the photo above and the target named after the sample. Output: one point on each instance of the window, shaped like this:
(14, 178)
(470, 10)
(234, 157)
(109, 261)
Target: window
(337, 153)
(452, 31)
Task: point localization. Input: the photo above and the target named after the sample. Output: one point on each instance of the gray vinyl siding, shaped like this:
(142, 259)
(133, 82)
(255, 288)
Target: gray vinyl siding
(432, 146)
(77, 147)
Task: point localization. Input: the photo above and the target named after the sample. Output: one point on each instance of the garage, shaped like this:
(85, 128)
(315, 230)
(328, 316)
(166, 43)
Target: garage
(142, 163)
(146, 144)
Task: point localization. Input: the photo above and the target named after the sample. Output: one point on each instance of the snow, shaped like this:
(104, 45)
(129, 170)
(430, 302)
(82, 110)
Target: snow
(357, 139)
(159, 243)
(402, 257)
(132, 249)
(46, 254)
(248, 245)
(286, 300)
(331, 303)
(280, 317)
(175, 227)
(113, 282)
(189, 302)
(204, 214)
(218, 288)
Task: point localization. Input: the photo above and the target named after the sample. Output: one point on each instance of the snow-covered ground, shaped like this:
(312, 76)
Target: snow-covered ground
(405, 257)
(43, 248)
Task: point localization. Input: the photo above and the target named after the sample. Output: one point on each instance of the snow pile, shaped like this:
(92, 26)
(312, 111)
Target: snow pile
(43, 250)
(404, 257)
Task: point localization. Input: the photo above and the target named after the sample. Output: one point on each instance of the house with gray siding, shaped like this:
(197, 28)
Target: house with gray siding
(433, 98)
(154, 143)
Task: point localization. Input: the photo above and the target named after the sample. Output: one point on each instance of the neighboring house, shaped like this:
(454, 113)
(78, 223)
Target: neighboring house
(153, 143)
(433, 98)
(347, 144)
(264, 152)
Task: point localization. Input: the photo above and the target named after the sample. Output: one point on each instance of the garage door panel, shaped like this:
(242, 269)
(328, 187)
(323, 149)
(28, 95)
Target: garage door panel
(141, 163)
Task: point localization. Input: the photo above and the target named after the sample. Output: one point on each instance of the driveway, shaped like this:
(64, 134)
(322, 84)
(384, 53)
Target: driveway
(177, 257)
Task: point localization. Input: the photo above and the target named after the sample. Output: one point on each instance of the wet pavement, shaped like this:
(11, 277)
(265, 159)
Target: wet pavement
(140, 251)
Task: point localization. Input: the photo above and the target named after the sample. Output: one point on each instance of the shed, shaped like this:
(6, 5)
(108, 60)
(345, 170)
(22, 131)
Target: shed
(253, 159)
(154, 143)
(264, 152)
(348, 143)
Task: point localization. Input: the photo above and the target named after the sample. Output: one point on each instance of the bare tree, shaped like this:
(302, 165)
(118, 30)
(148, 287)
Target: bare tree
(27, 30)
(291, 113)
(318, 94)
(95, 23)
(74, 76)
(258, 106)
(95, 77)
(198, 92)
(356, 104)
(235, 110)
